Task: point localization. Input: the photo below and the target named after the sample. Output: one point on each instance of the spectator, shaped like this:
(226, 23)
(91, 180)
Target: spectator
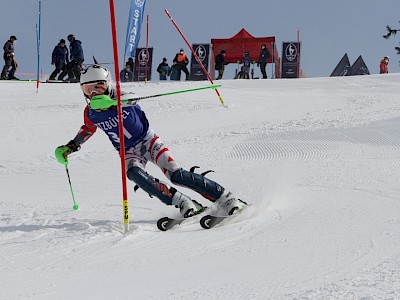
(220, 64)
(59, 58)
(181, 61)
(263, 60)
(173, 71)
(126, 74)
(9, 59)
(163, 69)
(383, 68)
(74, 66)
(245, 70)
(131, 63)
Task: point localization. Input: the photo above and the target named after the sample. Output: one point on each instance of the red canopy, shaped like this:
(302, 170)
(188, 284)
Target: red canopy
(243, 42)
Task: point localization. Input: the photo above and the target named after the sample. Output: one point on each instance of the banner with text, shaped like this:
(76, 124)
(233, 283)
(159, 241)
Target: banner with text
(134, 25)
(290, 59)
(142, 57)
(203, 53)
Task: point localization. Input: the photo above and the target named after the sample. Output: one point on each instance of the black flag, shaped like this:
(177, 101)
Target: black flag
(359, 67)
(343, 67)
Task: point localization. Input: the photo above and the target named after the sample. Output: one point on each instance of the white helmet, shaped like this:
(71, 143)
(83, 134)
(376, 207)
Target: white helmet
(95, 73)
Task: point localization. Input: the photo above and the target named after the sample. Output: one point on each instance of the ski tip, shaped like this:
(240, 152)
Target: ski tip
(205, 222)
(162, 224)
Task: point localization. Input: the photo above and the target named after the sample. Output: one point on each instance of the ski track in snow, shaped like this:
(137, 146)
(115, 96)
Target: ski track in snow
(320, 145)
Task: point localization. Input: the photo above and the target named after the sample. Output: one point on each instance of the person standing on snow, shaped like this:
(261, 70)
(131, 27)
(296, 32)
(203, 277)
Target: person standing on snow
(59, 58)
(142, 145)
(220, 64)
(246, 66)
(181, 62)
(74, 67)
(383, 67)
(163, 69)
(263, 60)
(9, 59)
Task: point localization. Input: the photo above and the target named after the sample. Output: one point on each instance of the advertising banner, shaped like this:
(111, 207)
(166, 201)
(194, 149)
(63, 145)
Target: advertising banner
(134, 25)
(290, 59)
(143, 56)
(203, 53)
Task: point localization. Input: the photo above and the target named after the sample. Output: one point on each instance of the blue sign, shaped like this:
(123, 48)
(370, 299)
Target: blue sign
(134, 25)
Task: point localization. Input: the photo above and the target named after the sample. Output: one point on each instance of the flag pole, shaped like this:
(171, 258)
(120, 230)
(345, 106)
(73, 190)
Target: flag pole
(38, 46)
(195, 55)
(147, 46)
(120, 120)
(298, 53)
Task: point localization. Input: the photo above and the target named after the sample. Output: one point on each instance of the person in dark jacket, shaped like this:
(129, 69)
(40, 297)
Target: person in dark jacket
(126, 74)
(74, 67)
(181, 62)
(220, 64)
(263, 60)
(163, 69)
(9, 59)
(59, 58)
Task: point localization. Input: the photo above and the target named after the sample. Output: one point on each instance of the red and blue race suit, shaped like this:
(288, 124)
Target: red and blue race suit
(135, 123)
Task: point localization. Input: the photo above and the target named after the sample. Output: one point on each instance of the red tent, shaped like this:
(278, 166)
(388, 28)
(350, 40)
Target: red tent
(243, 42)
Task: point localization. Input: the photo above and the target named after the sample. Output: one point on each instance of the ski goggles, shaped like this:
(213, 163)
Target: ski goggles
(98, 87)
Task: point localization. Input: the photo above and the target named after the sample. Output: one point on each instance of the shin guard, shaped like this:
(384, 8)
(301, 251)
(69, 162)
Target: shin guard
(151, 185)
(207, 188)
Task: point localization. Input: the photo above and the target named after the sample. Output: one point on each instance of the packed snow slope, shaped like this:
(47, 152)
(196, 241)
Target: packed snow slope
(317, 158)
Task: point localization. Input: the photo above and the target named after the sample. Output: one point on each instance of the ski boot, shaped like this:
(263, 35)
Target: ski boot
(187, 207)
(230, 203)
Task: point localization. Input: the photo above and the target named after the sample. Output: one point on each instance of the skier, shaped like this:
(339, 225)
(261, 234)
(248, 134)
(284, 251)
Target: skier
(142, 144)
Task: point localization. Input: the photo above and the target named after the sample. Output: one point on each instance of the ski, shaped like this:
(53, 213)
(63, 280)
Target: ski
(209, 221)
(167, 223)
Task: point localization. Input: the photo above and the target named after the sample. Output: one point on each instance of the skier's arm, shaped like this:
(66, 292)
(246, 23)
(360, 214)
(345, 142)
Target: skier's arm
(87, 129)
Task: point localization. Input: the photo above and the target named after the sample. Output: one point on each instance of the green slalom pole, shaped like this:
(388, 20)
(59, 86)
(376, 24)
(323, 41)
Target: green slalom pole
(102, 102)
(75, 207)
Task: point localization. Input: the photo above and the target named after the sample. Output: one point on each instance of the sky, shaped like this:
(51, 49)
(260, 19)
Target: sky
(328, 29)
(318, 159)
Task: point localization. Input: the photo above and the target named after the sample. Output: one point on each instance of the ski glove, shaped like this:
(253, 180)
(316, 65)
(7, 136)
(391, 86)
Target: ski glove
(62, 152)
(102, 102)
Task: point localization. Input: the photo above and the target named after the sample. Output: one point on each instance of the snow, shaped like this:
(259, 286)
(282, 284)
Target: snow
(317, 158)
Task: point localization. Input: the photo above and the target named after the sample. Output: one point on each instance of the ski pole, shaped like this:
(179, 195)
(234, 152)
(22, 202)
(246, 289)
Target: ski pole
(100, 102)
(75, 207)
(214, 86)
